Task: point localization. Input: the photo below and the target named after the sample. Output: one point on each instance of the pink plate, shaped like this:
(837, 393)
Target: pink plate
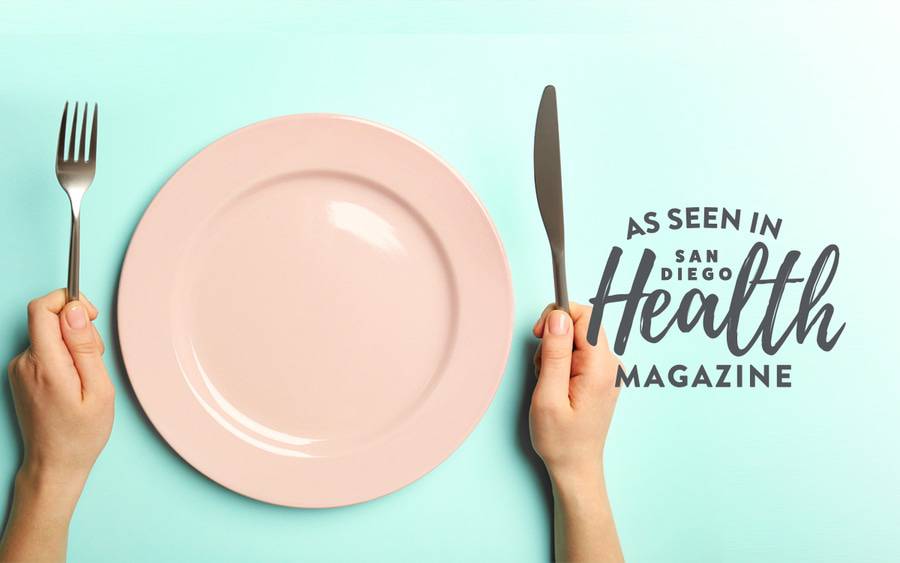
(315, 311)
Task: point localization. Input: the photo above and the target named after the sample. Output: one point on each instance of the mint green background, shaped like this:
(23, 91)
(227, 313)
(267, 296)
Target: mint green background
(784, 107)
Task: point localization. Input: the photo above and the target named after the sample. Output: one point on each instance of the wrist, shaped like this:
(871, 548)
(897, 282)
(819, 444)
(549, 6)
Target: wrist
(49, 491)
(578, 479)
(42, 508)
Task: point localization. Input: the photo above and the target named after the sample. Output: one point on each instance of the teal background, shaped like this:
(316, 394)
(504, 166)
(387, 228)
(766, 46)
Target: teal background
(788, 108)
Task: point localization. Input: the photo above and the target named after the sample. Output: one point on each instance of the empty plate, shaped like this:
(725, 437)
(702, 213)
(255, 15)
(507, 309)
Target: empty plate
(315, 311)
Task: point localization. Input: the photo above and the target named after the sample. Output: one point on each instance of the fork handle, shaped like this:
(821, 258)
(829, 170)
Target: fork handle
(74, 240)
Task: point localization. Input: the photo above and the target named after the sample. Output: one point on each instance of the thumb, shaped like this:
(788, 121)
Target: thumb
(556, 357)
(82, 343)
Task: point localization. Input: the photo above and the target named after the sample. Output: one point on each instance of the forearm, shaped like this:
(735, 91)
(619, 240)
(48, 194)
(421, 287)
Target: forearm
(38, 525)
(583, 520)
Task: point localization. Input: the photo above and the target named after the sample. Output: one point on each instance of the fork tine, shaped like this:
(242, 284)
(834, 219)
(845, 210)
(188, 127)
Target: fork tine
(72, 134)
(83, 132)
(93, 151)
(61, 146)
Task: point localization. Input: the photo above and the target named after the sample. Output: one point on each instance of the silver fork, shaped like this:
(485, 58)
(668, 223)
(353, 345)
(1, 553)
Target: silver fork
(75, 175)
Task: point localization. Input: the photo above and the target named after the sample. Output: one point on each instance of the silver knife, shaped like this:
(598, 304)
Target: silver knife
(548, 186)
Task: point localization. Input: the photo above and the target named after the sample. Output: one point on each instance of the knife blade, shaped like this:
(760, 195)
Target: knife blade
(548, 187)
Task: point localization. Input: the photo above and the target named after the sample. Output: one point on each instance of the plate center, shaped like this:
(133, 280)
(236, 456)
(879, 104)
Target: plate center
(316, 312)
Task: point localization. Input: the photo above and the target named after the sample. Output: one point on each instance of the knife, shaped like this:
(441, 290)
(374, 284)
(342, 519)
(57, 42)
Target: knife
(548, 186)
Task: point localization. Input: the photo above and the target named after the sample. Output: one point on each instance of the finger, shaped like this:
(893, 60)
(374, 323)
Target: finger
(578, 313)
(56, 300)
(44, 329)
(14, 371)
(44, 332)
(93, 312)
(577, 310)
(581, 315)
(83, 345)
(556, 357)
(538, 329)
(13, 365)
(100, 342)
(574, 308)
(583, 362)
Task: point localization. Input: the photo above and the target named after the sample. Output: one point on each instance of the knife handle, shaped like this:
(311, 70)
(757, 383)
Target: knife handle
(559, 280)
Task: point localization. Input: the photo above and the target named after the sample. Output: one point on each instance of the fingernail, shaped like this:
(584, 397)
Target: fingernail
(76, 317)
(559, 323)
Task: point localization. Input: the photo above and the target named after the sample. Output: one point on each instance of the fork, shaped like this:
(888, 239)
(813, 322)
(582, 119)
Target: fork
(75, 176)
